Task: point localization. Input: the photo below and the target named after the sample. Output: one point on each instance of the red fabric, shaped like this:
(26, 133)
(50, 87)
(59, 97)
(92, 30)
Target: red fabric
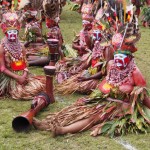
(94, 61)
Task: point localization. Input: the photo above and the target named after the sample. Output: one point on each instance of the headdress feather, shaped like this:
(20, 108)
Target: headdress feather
(23, 3)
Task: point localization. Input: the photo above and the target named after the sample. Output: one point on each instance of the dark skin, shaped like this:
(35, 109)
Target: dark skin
(82, 48)
(95, 76)
(3, 68)
(99, 74)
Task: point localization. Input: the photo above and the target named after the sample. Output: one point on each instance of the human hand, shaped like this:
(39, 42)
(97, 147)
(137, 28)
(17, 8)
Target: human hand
(22, 80)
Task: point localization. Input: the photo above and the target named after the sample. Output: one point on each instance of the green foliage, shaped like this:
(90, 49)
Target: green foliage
(146, 14)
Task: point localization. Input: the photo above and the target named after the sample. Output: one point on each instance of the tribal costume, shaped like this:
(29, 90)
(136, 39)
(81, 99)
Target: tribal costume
(115, 108)
(16, 62)
(13, 64)
(98, 63)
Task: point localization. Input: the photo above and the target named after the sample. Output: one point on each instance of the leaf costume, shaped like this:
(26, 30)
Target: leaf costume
(109, 109)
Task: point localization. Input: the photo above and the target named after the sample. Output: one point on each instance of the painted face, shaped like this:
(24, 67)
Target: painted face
(96, 35)
(12, 35)
(121, 60)
(87, 25)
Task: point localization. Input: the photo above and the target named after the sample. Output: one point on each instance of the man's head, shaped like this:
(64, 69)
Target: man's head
(87, 21)
(12, 35)
(122, 59)
(96, 35)
(87, 25)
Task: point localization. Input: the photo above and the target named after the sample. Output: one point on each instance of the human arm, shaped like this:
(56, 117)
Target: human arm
(83, 65)
(138, 78)
(96, 76)
(78, 47)
(141, 82)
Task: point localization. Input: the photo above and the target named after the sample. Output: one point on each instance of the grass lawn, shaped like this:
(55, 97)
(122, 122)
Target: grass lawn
(41, 140)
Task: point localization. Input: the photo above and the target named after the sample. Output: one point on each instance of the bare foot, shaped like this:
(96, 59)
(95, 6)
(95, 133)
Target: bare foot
(41, 125)
(56, 131)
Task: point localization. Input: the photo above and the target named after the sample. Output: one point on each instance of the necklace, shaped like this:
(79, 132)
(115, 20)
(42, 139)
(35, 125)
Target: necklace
(13, 48)
(117, 77)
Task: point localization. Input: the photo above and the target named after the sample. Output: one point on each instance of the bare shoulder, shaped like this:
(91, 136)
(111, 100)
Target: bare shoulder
(110, 63)
(138, 77)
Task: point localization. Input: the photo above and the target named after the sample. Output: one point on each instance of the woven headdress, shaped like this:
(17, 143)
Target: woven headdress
(10, 22)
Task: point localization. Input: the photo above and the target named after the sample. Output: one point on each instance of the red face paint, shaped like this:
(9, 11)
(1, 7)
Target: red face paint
(12, 35)
(121, 60)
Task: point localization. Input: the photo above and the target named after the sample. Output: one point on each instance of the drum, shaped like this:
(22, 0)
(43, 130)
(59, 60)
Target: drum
(53, 43)
(49, 70)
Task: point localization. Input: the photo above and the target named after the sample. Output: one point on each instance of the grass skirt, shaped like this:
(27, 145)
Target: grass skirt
(11, 88)
(106, 115)
(72, 85)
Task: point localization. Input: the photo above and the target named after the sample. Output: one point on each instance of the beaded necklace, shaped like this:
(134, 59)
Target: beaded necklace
(117, 77)
(13, 48)
(97, 51)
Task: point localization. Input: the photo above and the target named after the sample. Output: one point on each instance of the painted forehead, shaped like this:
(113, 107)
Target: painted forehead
(85, 22)
(12, 31)
(120, 55)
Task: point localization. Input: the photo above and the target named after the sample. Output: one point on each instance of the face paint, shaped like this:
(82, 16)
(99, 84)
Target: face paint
(96, 35)
(121, 60)
(87, 25)
(12, 35)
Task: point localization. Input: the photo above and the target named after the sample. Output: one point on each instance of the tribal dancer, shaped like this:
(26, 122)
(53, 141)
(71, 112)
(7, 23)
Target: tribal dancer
(116, 107)
(82, 42)
(93, 65)
(37, 50)
(15, 79)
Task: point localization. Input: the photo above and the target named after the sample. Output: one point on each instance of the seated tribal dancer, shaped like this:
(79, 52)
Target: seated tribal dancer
(86, 76)
(51, 11)
(37, 50)
(15, 80)
(82, 42)
(116, 107)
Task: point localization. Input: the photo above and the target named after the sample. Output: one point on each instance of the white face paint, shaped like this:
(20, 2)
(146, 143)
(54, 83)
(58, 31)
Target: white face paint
(84, 22)
(121, 60)
(12, 35)
(96, 35)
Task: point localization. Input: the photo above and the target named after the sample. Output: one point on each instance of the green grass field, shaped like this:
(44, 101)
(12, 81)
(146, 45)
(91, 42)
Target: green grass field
(42, 140)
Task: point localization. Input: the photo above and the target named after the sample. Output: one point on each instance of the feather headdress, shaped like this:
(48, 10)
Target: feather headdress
(23, 3)
(51, 8)
(36, 4)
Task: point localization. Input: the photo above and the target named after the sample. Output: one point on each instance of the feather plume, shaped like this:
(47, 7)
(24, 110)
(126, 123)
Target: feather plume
(36, 4)
(23, 3)
(14, 5)
(124, 8)
(51, 8)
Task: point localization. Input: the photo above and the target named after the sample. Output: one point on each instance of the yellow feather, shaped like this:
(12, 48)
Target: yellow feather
(124, 8)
